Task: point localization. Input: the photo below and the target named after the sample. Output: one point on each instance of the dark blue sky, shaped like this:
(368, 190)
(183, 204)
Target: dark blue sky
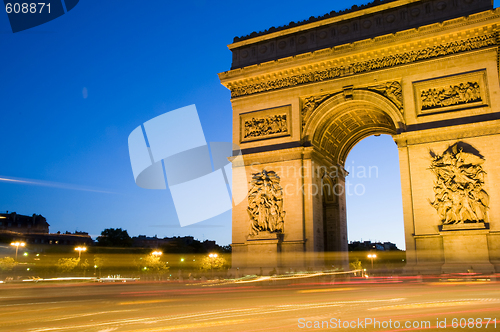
(73, 89)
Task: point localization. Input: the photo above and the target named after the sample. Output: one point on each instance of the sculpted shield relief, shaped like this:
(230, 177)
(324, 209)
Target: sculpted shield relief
(459, 194)
(265, 203)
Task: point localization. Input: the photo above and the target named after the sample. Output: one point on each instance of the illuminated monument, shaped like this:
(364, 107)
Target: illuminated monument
(426, 73)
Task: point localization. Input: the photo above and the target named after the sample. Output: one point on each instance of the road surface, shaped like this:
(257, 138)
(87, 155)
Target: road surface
(255, 306)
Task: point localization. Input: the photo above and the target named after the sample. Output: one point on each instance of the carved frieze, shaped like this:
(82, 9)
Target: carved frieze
(265, 203)
(365, 66)
(459, 194)
(265, 124)
(451, 93)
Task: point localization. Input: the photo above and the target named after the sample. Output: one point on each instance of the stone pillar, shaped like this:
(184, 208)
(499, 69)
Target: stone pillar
(449, 195)
(409, 223)
(257, 242)
(466, 248)
(335, 221)
(264, 252)
(329, 218)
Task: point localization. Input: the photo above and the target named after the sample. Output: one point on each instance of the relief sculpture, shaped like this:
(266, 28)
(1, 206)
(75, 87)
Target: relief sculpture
(391, 90)
(459, 194)
(265, 126)
(310, 104)
(462, 93)
(265, 203)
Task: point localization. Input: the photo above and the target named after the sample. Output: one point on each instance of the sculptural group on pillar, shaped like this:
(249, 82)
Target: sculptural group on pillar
(459, 193)
(265, 203)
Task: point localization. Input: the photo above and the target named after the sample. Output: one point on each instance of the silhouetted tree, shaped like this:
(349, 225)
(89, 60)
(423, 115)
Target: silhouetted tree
(224, 249)
(181, 246)
(114, 237)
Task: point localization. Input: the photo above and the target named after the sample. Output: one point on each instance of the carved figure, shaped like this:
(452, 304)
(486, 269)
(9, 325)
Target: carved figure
(459, 194)
(391, 90)
(257, 127)
(310, 104)
(452, 95)
(265, 203)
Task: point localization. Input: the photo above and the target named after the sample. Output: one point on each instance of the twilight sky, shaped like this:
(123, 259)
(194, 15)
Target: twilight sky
(73, 89)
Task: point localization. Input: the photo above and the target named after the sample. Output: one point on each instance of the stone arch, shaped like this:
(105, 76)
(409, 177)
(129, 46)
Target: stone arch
(339, 123)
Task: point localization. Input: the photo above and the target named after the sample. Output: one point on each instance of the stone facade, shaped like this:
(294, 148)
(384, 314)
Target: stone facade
(431, 87)
(23, 224)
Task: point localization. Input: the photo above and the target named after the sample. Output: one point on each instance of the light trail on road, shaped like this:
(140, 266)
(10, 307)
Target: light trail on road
(165, 306)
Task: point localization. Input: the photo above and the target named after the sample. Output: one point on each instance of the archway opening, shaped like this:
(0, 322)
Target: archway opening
(334, 129)
(374, 204)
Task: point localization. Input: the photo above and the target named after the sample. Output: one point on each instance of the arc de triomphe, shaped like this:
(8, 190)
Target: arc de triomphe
(425, 72)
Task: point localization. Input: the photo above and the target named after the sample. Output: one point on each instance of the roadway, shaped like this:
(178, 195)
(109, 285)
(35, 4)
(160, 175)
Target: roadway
(254, 306)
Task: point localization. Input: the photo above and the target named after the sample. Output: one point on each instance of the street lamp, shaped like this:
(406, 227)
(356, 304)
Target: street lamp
(212, 257)
(372, 256)
(17, 245)
(156, 253)
(80, 249)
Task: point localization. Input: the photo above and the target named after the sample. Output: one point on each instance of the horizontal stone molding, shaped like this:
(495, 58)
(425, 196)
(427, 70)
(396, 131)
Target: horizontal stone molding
(453, 133)
(270, 155)
(388, 61)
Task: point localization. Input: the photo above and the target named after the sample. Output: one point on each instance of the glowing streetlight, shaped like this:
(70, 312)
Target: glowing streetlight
(17, 245)
(156, 253)
(80, 249)
(212, 257)
(372, 256)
